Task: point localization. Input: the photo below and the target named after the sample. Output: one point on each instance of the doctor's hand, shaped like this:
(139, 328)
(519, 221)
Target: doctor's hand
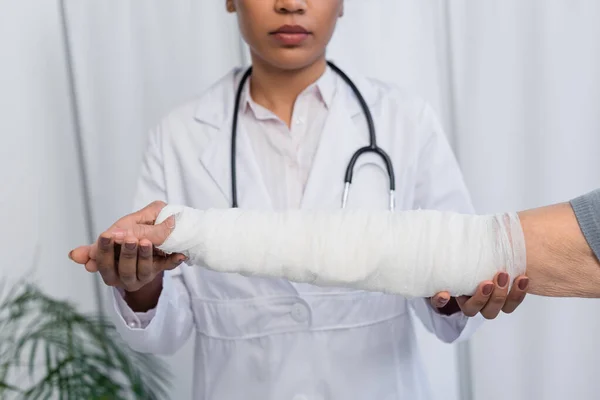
(491, 298)
(125, 255)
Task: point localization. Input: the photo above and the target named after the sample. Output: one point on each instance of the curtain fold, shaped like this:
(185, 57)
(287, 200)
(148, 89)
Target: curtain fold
(40, 202)
(134, 62)
(526, 97)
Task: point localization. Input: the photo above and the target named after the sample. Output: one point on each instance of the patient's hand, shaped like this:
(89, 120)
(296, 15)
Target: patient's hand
(125, 254)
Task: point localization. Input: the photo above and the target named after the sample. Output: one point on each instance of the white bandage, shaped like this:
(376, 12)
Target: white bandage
(410, 253)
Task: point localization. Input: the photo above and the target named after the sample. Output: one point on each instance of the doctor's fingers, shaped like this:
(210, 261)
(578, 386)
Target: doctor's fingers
(517, 294)
(168, 262)
(498, 297)
(440, 300)
(145, 268)
(150, 264)
(127, 254)
(105, 259)
(138, 265)
(471, 306)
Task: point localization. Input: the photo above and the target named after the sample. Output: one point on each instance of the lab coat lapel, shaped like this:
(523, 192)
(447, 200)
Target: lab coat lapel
(345, 131)
(251, 190)
(216, 158)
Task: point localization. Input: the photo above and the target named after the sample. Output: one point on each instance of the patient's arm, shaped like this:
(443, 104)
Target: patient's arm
(560, 263)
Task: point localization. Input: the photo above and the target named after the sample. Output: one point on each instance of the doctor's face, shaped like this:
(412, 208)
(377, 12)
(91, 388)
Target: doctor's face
(287, 34)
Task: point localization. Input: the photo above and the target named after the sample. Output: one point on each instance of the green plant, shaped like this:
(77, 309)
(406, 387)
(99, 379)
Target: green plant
(50, 350)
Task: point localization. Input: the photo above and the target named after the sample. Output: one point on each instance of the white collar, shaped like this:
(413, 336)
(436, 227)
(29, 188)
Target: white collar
(215, 106)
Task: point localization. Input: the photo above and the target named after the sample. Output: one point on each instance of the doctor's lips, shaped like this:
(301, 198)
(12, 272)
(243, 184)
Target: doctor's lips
(290, 35)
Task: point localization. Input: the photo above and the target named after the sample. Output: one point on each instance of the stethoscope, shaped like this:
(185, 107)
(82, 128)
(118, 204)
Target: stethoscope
(371, 148)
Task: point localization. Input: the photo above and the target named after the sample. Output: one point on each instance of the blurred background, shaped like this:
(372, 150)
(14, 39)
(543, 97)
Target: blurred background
(517, 83)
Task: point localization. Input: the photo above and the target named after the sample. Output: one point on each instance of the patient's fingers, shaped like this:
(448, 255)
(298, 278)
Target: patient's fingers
(91, 266)
(81, 254)
(157, 234)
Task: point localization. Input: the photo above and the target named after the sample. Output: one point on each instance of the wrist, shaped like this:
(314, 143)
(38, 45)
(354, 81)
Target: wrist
(146, 298)
(560, 263)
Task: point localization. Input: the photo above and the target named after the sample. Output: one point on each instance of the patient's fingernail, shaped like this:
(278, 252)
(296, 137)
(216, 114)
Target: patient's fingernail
(503, 279)
(104, 241)
(71, 255)
(523, 283)
(487, 289)
(130, 246)
(171, 222)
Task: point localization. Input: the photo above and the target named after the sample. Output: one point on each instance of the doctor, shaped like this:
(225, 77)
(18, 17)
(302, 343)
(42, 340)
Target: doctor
(299, 124)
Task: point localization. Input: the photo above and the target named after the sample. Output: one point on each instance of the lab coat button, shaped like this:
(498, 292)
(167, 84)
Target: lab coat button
(132, 324)
(299, 312)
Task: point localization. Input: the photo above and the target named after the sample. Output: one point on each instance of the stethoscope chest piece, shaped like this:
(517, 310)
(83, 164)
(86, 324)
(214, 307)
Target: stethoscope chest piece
(371, 148)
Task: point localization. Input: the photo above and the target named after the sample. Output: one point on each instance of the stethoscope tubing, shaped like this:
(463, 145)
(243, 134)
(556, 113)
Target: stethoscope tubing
(371, 148)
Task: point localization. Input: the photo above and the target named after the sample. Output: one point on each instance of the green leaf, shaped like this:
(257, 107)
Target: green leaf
(5, 386)
(71, 355)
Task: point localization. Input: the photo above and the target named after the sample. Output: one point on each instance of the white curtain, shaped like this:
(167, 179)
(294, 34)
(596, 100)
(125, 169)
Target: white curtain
(526, 96)
(133, 62)
(40, 196)
(516, 83)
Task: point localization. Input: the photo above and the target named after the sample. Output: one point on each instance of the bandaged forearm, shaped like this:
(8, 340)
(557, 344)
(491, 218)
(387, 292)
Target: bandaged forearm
(410, 253)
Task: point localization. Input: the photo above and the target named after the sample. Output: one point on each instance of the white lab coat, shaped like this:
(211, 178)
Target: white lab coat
(269, 339)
